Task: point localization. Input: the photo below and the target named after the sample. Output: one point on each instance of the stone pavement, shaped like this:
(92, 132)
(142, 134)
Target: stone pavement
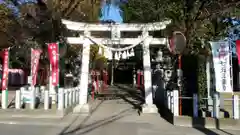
(107, 118)
(26, 130)
(115, 118)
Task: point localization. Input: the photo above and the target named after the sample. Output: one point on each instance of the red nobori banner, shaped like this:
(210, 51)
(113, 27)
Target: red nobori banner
(53, 55)
(5, 69)
(35, 56)
(238, 50)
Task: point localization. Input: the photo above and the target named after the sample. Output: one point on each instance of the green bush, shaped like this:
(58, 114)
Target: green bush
(202, 79)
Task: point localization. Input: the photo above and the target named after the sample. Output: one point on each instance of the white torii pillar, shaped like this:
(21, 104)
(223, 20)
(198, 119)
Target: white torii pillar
(83, 93)
(148, 107)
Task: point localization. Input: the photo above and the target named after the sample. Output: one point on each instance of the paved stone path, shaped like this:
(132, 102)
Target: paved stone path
(107, 118)
(110, 118)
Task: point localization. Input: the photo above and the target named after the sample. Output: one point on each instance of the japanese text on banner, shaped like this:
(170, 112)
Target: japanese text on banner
(35, 54)
(5, 69)
(221, 61)
(54, 58)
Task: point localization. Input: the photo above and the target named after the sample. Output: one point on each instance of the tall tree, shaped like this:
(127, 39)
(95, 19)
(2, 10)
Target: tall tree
(33, 24)
(199, 20)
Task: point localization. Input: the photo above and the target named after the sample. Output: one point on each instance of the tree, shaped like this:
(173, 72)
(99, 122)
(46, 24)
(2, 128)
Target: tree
(39, 23)
(199, 20)
(34, 24)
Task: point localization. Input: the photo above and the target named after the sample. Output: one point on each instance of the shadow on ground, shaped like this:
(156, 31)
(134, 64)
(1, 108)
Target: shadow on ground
(92, 112)
(84, 128)
(130, 96)
(199, 123)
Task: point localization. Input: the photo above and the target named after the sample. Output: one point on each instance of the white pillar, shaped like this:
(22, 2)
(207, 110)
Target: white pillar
(216, 105)
(175, 103)
(148, 107)
(33, 97)
(134, 77)
(22, 90)
(46, 100)
(169, 99)
(42, 89)
(60, 99)
(18, 99)
(83, 93)
(52, 90)
(74, 96)
(70, 95)
(37, 92)
(66, 98)
(4, 99)
(235, 107)
(77, 94)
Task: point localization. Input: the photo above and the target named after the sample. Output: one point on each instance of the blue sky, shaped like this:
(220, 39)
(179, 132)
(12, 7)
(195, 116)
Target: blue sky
(112, 11)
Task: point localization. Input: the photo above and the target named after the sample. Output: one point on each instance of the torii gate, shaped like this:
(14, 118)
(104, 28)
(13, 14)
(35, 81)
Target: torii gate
(145, 40)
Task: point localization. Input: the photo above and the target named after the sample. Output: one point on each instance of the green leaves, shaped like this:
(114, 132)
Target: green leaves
(200, 20)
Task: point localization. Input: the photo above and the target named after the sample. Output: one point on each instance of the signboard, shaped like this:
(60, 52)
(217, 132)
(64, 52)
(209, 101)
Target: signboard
(26, 94)
(177, 43)
(222, 68)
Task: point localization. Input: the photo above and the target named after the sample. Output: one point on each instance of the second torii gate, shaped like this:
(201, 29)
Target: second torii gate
(145, 40)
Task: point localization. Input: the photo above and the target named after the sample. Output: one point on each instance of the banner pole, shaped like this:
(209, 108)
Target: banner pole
(32, 85)
(50, 87)
(58, 71)
(180, 81)
(231, 65)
